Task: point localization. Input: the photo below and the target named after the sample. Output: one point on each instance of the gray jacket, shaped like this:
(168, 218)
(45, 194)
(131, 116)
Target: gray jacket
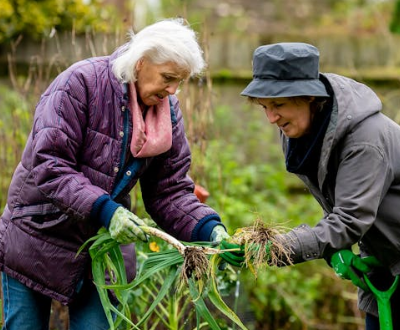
(358, 183)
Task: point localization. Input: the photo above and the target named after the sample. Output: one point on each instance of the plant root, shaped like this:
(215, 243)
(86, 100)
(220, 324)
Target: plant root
(195, 258)
(261, 246)
(195, 264)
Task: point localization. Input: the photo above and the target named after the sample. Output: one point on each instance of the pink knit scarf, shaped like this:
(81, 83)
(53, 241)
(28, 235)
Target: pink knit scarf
(153, 135)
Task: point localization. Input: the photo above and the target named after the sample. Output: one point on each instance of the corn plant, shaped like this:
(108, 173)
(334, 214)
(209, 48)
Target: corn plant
(188, 268)
(170, 313)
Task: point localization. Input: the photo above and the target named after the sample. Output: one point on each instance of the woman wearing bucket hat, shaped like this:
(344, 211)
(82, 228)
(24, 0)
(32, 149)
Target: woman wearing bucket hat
(336, 139)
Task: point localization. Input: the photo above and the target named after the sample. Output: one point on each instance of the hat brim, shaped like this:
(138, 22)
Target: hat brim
(267, 88)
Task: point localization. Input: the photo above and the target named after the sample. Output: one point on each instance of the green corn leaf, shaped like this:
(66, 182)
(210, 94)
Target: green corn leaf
(201, 308)
(107, 257)
(98, 269)
(215, 297)
(150, 269)
(161, 311)
(168, 281)
(100, 235)
(97, 250)
(122, 317)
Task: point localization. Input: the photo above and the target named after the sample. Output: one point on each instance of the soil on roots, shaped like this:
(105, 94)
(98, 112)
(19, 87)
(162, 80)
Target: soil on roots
(195, 263)
(262, 245)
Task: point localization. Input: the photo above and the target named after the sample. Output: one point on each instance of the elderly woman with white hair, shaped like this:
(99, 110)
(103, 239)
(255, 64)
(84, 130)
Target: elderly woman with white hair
(101, 125)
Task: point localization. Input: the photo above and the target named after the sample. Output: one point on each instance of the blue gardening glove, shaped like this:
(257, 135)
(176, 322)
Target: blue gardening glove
(124, 226)
(349, 266)
(235, 258)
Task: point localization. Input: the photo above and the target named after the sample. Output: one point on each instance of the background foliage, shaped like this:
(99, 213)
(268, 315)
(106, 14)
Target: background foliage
(37, 19)
(235, 156)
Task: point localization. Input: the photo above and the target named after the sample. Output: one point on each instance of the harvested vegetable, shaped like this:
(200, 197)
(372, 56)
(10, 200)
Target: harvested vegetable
(186, 265)
(193, 267)
(261, 245)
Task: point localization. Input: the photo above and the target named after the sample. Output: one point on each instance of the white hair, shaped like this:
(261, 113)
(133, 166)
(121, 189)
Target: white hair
(165, 41)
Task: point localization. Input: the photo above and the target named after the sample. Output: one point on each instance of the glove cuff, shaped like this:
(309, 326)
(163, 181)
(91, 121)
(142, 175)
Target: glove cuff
(204, 227)
(218, 233)
(103, 210)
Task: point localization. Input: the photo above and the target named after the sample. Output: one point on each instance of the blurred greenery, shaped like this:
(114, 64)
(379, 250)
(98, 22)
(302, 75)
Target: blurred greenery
(395, 22)
(15, 123)
(38, 19)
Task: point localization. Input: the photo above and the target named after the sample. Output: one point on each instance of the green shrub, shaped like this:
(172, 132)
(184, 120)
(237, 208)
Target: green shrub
(37, 19)
(15, 123)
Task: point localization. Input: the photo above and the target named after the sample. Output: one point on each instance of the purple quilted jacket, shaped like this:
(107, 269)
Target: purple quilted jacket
(76, 169)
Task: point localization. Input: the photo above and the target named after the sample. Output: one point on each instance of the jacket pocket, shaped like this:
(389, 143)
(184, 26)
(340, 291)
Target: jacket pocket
(35, 211)
(46, 221)
(43, 266)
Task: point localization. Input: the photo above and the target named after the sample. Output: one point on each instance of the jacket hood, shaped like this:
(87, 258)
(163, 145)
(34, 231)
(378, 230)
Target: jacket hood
(353, 101)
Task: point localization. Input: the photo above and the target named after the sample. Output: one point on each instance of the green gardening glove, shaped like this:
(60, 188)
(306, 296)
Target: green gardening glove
(124, 226)
(235, 258)
(349, 266)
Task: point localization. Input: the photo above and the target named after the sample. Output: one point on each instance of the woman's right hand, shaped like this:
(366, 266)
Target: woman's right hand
(124, 226)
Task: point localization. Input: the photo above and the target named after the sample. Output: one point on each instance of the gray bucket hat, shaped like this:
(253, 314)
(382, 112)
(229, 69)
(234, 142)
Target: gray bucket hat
(285, 70)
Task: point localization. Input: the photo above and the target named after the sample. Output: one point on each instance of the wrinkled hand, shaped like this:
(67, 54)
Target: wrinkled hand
(124, 227)
(349, 266)
(235, 258)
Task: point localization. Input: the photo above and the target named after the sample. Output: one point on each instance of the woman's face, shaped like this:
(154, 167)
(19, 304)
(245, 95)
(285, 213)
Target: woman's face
(292, 115)
(156, 81)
